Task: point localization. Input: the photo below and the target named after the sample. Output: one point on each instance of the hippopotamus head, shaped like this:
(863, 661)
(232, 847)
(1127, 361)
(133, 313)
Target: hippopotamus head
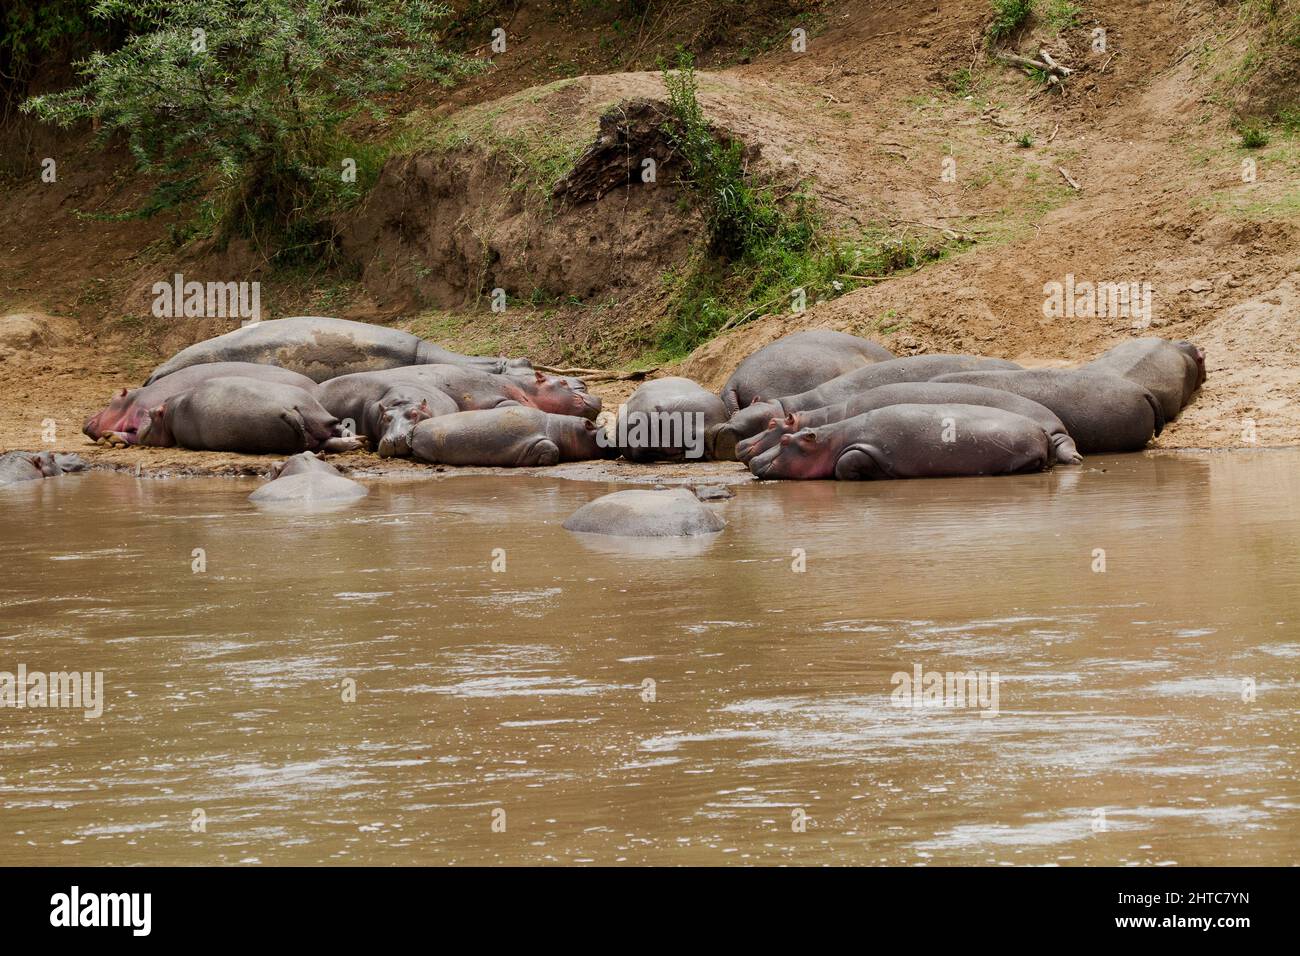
(755, 445)
(1197, 355)
(52, 465)
(745, 423)
(121, 418)
(803, 454)
(396, 422)
(559, 396)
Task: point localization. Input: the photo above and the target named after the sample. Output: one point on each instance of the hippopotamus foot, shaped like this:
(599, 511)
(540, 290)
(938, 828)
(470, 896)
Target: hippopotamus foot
(544, 452)
(859, 463)
(343, 443)
(1066, 452)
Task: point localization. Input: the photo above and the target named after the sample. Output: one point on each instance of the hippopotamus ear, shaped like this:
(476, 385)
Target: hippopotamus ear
(791, 421)
(123, 395)
(540, 378)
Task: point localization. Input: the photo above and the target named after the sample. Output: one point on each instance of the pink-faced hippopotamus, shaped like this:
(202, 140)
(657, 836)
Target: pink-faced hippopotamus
(247, 415)
(127, 414)
(916, 393)
(391, 402)
(306, 478)
(911, 441)
(796, 363)
(322, 348)
(509, 437)
(1171, 371)
(1102, 411)
(668, 419)
(18, 466)
(916, 368)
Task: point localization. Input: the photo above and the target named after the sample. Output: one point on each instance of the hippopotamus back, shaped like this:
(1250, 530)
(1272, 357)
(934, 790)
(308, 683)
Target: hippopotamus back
(510, 436)
(796, 363)
(1171, 371)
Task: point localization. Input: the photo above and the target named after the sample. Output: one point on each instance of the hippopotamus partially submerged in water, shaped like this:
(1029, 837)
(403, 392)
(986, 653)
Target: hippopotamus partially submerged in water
(1171, 371)
(668, 419)
(796, 363)
(911, 441)
(509, 437)
(916, 368)
(247, 415)
(1102, 411)
(916, 393)
(305, 478)
(388, 404)
(646, 514)
(126, 416)
(16, 466)
(322, 348)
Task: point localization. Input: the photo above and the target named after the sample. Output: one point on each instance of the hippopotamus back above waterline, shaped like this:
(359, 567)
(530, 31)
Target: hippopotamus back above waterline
(915, 368)
(642, 513)
(247, 415)
(917, 393)
(911, 441)
(305, 478)
(509, 437)
(1102, 411)
(1171, 371)
(796, 363)
(126, 416)
(322, 348)
(16, 466)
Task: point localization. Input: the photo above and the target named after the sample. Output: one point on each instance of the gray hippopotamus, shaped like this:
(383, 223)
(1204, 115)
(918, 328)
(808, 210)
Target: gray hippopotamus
(247, 415)
(911, 441)
(388, 404)
(646, 514)
(916, 393)
(16, 466)
(796, 363)
(509, 437)
(127, 414)
(1102, 411)
(305, 478)
(668, 419)
(916, 368)
(321, 348)
(1171, 371)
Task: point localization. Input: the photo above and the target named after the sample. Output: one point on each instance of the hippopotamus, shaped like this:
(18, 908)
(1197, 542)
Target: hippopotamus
(18, 466)
(127, 413)
(916, 393)
(509, 437)
(796, 363)
(916, 368)
(668, 419)
(322, 348)
(388, 404)
(1171, 371)
(911, 441)
(646, 514)
(247, 415)
(1102, 411)
(304, 478)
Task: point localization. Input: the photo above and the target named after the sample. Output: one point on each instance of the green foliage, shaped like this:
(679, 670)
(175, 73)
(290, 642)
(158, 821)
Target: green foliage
(738, 214)
(1024, 141)
(242, 103)
(1008, 16)
(33, 30)
(1252, 137)
(1060, 14)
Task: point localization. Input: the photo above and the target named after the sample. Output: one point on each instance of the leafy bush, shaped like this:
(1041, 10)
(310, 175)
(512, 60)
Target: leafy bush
(242, 102)
(1008, 15)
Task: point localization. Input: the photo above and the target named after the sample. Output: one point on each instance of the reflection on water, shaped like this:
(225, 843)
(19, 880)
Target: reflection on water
(681, 705)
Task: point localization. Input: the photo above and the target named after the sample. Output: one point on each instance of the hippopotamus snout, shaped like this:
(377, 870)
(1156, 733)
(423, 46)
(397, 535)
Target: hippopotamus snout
(396, 425)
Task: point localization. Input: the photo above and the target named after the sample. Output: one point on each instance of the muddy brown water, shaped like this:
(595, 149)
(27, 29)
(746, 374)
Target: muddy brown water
(1125, 731)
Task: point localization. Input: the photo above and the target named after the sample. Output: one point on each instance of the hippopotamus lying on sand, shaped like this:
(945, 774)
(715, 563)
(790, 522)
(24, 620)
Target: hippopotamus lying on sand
(509, 437)
(796, 363)
(1102, 411)
(247, 415)
(646, 514)
(388, 404)
(911, 441)
(126, 416)
(668, 419)
(916, 393)
(322, 348)
(305, 478)
(16, 466)
(917, 368)
(1171, 371)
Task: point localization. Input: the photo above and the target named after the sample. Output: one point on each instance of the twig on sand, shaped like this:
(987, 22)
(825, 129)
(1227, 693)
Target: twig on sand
(1068, 178)
(599, 374)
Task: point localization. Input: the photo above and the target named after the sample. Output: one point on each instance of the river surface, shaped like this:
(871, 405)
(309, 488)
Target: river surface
(702, 702)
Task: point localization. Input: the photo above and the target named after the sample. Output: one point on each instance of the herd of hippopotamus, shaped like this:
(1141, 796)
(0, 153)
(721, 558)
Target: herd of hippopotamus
(814, 404)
